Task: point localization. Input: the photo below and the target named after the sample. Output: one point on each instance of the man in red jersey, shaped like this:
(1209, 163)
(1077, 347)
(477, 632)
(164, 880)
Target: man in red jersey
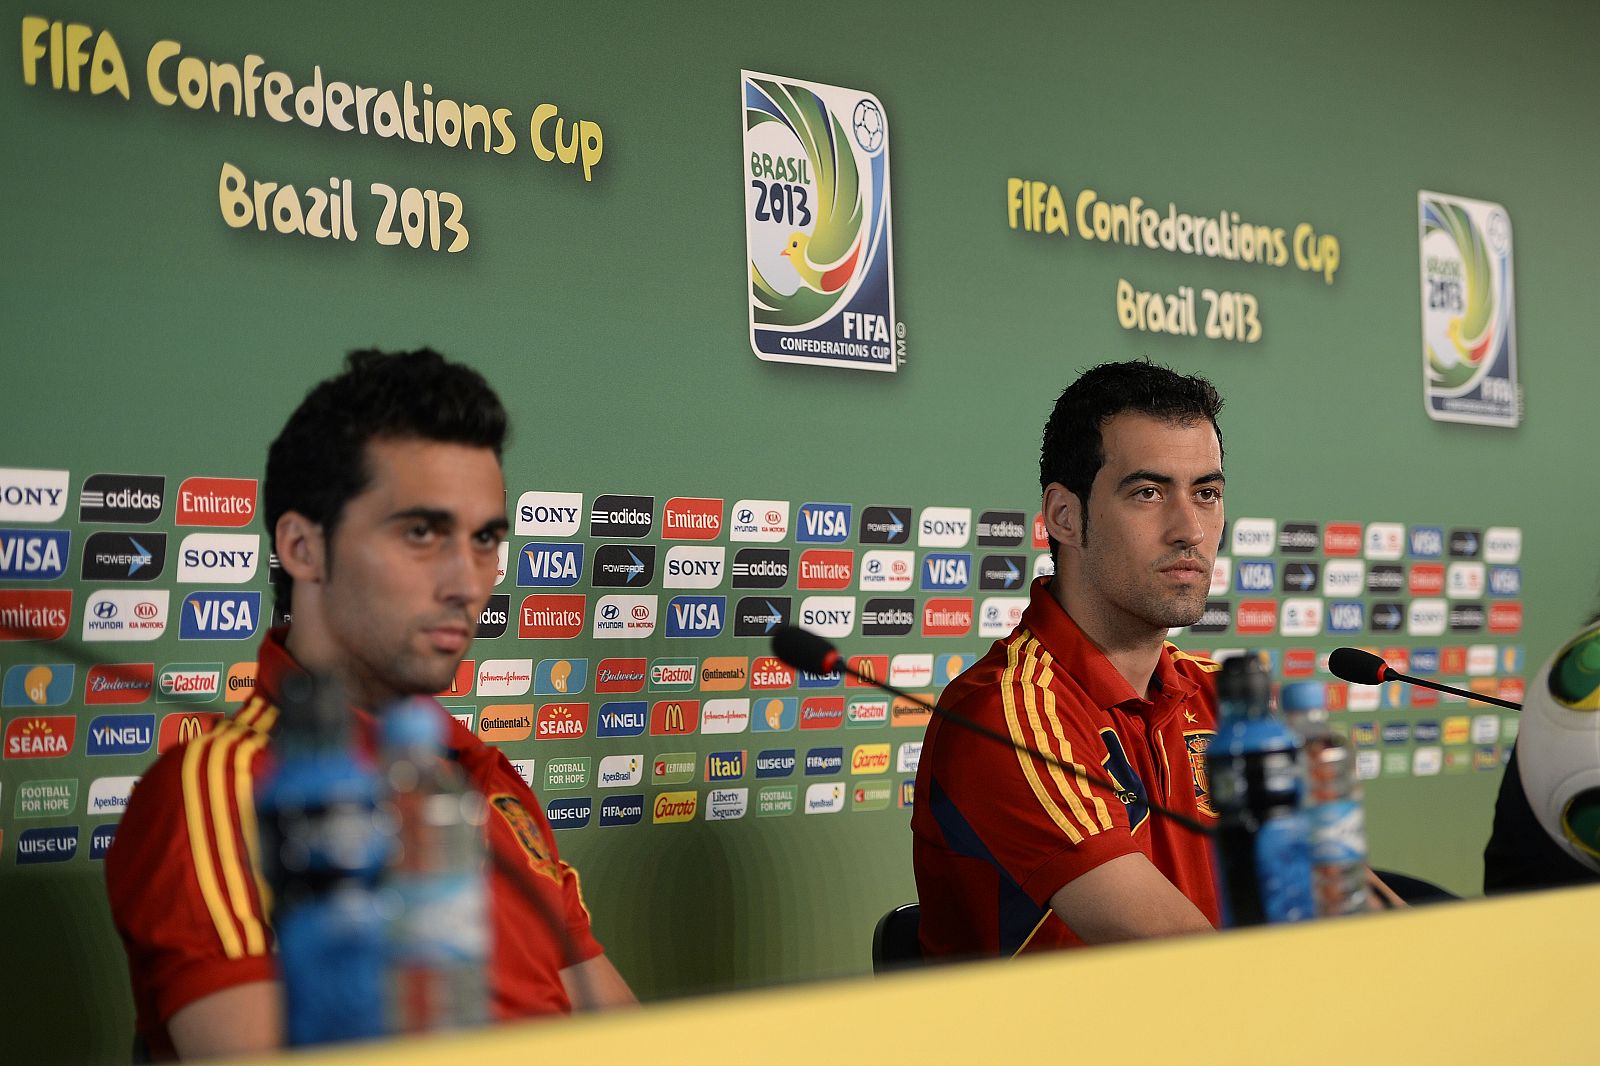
(386, 506)
(1014, 853)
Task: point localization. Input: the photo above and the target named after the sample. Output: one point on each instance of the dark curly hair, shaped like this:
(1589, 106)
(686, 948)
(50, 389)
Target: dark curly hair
(318, 461)
(1073, 453)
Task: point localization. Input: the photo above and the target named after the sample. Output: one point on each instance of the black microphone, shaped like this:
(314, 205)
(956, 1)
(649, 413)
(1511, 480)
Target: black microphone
(1364, 668)
(805, 650)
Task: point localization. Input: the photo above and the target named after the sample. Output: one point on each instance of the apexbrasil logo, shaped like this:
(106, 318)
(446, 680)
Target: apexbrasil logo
(817, 225)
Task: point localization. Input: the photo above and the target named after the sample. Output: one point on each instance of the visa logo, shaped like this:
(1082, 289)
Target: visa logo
(624, 719)
(1427, 542)
(1425, 660)
(696, 616)
(219, 615)
(33, 554)
(550, 565)
(1255, 576)
(824, 523)
(945, 572)
(1345, 616)
(1505, 580)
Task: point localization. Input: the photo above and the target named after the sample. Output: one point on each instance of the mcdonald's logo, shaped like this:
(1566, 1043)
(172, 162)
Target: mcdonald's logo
(674, 717)
(180, 727)
(872, 668)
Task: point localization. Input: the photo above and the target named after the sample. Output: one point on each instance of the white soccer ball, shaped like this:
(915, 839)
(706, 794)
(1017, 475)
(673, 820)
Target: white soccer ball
(1558, 747)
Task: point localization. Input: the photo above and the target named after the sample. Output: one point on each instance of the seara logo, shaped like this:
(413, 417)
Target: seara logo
(40, 736)
(559, 721)
(816, 187)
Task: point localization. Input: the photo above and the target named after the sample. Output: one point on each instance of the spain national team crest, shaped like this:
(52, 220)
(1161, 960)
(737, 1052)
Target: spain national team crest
(1198, 744)
(527, 833)
(816, 162)
(1469, 336)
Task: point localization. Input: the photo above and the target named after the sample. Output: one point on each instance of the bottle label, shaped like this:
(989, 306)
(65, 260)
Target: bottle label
(1283, 869)
(1338, 833)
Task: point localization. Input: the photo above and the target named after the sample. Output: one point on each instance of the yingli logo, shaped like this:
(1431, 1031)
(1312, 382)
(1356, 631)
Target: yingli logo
(216, 501)
(691, 518)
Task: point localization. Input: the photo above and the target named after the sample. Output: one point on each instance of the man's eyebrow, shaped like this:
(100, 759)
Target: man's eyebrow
(431, 515)
(1215, 477)
(497, 525)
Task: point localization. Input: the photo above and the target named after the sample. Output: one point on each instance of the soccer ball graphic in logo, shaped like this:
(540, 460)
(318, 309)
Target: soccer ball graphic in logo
(1558, 747)
(868, 124)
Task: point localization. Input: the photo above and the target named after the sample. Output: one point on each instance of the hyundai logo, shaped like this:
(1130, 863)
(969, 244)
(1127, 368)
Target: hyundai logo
(105, 609)
(746, 516)
(609, 612)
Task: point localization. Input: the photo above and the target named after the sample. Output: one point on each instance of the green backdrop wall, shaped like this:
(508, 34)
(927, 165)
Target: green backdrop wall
(143, 334)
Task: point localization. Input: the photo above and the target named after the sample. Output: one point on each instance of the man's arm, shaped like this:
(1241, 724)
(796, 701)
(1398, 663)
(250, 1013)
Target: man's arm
(595, 984)
(1125, 898)
(244, 1018)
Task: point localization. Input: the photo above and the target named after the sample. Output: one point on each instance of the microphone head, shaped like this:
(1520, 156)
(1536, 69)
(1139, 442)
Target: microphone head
(1358, 667)
(804, 650)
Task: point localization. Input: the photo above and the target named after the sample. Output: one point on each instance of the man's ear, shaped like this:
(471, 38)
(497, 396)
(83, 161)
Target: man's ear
(302, 549)
(1063, 515)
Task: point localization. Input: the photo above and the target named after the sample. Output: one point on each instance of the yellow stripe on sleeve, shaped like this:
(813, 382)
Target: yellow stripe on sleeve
(200, 849)
(1030, 686)
(244, 794)
(1084, 788)
(1008, 678)
(233, 873)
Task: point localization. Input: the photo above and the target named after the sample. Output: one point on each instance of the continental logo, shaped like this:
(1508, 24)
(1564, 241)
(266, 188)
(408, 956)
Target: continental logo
(505, 722)
(907, 713)
(674, 807)
(869, 759)
(241, 682)
(724, 673)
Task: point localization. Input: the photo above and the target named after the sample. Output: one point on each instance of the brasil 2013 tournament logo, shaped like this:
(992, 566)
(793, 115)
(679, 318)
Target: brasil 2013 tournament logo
(816, 161)
(1468, 326)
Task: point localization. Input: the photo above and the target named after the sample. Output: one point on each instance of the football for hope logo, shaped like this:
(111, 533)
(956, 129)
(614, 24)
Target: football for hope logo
(816, 183)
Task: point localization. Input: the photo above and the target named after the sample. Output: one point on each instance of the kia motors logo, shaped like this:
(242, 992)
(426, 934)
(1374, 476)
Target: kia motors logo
(759, 520)
(691, 518)
(117, 614)
(999, 615)
(549, 514)
(1384, 540)
(216, 501)
(622, 617)
(32, 495)
(622, 516)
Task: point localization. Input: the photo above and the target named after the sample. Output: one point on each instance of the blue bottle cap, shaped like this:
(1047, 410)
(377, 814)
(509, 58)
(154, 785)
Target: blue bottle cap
(412, 723)
(1301, 696)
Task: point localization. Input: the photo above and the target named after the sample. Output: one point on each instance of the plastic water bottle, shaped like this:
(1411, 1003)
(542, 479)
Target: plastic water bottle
(1333, 804)
(323, 850)
(439, 935)
(1256, 786)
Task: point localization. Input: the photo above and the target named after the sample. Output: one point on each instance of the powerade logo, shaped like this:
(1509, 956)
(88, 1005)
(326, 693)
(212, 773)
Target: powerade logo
(38, 685)
(1002, 573)
(1255, 576)
(623, 566)
(622, 810)
(946, 571)
(775, 762)
(761, 568)
(1301, 577)
(569, 813)
(1465, 543)
(122, 734)
(55, 844)
(758, 616)
(219, 615)
(623, 719)
(33, 554)
(823, 523)
(822, 761)
(549, 565)
(137, 499)
(1387, 617)
(885, 525)
(696, 616)
(622, 516)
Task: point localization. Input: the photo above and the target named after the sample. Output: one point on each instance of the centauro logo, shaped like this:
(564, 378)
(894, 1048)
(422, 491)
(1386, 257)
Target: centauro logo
(817, 224)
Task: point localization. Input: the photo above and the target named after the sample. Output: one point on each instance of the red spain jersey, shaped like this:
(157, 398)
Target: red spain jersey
(187, 894)
(995, 832)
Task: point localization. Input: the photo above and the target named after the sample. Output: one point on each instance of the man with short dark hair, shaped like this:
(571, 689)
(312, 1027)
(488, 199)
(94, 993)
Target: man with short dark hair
(385, 503)
(1015, 853)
